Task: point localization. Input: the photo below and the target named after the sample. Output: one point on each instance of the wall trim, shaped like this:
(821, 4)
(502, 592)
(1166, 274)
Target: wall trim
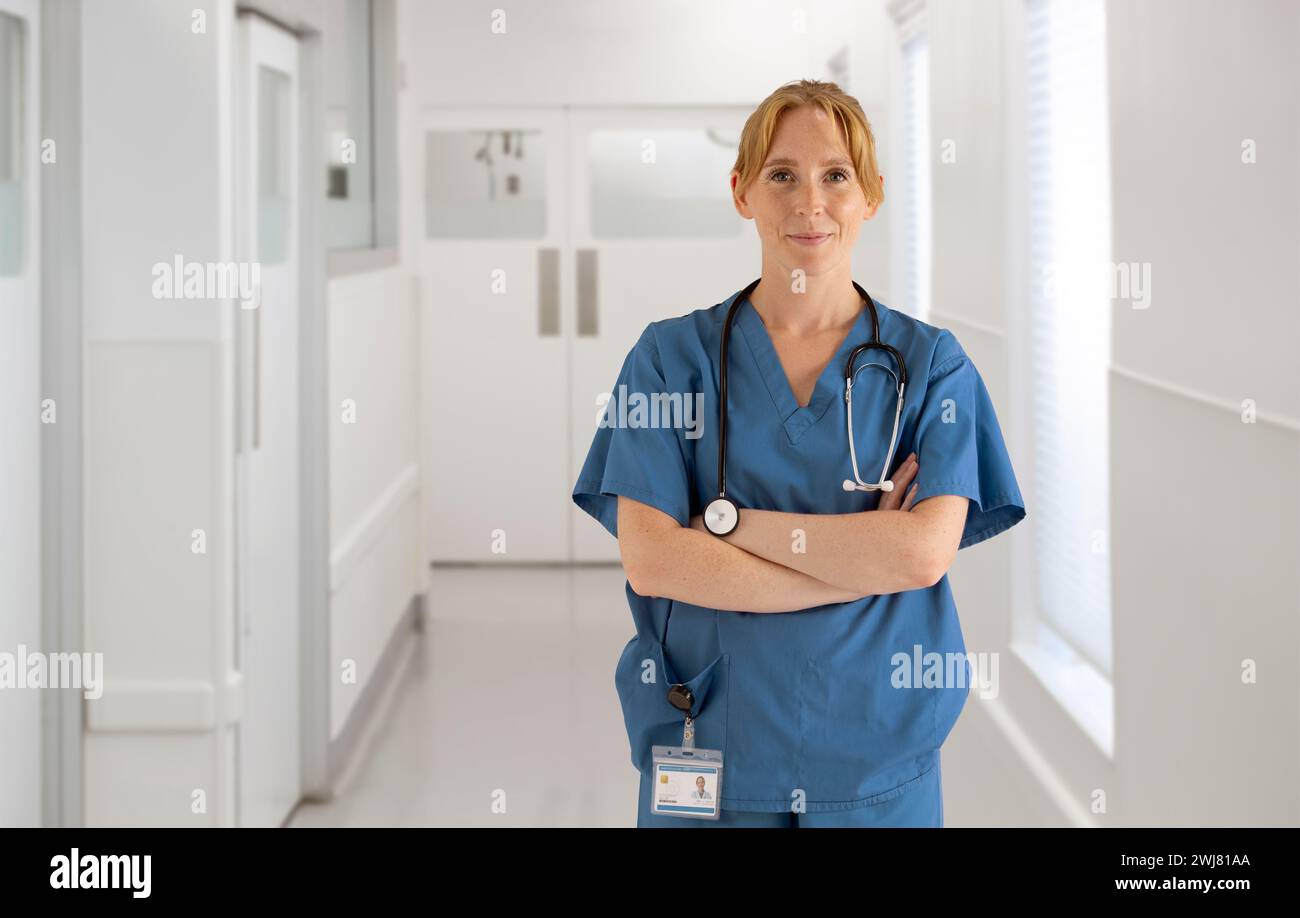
(390, 670)
(1277, 419)
(998, 719)
(947, 318)
(358, 541)
(1214, 401)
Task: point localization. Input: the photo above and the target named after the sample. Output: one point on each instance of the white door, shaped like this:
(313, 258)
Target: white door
(549, 238)
(652, 235)
(21, 412)
(266, 467)
(490, 247)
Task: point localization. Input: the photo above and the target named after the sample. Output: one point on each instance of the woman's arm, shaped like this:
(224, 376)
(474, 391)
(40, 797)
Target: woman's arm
(893, 549)
(870, 553)
(663, 558)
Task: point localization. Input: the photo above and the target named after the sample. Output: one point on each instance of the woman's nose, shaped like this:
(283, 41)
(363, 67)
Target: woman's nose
(810, 202)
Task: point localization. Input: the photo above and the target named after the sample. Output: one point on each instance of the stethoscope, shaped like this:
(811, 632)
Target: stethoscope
(721, 515)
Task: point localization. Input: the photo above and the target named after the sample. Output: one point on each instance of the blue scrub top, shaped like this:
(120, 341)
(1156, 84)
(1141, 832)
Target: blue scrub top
(835, 706)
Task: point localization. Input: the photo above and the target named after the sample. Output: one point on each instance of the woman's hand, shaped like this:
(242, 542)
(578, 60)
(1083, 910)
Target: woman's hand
(903, 485)
(898, 499)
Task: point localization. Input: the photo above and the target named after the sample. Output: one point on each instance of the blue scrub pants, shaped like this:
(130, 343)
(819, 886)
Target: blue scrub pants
(919, 806)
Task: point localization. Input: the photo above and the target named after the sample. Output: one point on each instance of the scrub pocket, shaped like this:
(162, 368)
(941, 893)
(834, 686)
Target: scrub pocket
(861, 737)
(650, 719)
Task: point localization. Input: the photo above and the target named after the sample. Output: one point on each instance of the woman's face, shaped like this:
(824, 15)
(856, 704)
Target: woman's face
(806, 200)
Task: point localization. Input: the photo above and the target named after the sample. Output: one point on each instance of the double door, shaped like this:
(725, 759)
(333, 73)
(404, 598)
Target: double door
(546, 241)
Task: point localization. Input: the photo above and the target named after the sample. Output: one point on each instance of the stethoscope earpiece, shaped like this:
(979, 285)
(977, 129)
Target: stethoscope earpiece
(722, 516)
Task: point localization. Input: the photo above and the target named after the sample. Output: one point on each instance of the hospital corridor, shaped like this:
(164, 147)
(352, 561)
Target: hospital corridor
(600, 414)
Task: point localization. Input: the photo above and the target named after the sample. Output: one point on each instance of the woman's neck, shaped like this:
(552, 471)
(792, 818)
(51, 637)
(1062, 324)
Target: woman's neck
(820, 304)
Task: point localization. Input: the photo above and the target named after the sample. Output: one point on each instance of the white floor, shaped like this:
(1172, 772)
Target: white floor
(509, 696)
(508, 699)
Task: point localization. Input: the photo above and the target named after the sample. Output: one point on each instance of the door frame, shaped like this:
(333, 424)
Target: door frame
(57, 44)
(313, 430)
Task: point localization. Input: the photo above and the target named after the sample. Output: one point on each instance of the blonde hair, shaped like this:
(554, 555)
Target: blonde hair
(756, 138)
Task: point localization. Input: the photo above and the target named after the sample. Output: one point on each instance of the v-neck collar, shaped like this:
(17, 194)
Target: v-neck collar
(794, 418)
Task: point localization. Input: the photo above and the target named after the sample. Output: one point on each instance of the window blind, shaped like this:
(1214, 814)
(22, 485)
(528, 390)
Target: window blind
(916, 169)
(1068, 193)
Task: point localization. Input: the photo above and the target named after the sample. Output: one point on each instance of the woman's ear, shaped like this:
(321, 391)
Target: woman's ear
(742, 206)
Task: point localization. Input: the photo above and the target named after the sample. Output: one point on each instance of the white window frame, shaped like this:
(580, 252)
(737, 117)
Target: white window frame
(385, 80)
(911, 20)
(1080, 689)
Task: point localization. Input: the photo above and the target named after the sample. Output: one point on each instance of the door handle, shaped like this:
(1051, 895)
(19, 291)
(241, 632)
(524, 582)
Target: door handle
(587, 305)
(243, 385)
(548, 293)
(238, 382)
(257, 376)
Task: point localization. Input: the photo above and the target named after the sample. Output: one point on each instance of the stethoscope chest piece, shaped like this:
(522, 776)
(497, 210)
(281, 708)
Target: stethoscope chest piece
(721, 516)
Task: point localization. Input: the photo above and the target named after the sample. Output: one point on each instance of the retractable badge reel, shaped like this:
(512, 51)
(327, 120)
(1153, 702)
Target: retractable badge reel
(687, 780)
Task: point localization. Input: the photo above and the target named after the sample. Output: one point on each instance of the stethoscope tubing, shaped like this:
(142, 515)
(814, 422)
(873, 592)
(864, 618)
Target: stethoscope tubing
(875, 342)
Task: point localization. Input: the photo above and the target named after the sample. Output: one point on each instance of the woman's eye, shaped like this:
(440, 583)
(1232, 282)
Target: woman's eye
(772, 176)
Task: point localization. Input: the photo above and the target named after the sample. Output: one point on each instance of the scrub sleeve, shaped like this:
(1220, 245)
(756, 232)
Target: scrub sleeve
(646, 464)
(649, 465)
(959, 446)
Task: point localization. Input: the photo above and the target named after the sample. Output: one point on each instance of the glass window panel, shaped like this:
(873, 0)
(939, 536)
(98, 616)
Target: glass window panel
(273, 166)
(485, 184)
(662, 184)
(916, 179)
(1070, 309)
(12, 94)
(349, 180)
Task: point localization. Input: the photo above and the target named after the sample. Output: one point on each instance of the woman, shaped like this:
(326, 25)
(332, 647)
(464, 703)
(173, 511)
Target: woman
(819, 643)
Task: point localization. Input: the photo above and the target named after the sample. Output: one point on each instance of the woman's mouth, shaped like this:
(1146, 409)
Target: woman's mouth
(811, 238)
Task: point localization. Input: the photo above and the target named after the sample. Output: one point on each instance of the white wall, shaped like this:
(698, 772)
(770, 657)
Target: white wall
(1204, 509)
(376, 559)
(1206, 575)
(589, 52)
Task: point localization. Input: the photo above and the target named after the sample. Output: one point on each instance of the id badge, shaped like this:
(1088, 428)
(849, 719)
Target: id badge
(687, 782)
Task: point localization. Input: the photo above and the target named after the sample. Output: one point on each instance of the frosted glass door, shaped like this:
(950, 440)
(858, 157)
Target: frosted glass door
(490, 223)
(653, 234)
